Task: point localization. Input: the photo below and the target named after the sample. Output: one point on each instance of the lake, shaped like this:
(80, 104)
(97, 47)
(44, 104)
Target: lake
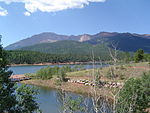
(33, 69)
(49, 98)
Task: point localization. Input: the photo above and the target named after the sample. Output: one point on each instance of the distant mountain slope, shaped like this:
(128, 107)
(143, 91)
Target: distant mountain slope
(46, 37)
(68, 47)
(124, 41)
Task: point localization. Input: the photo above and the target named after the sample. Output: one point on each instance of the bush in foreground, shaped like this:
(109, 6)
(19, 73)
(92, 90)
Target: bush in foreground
(135, 95)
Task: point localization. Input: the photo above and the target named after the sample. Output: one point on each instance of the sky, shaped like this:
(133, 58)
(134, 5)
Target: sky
(20, 19)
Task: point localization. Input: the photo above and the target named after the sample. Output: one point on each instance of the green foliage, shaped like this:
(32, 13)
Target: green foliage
(7, 89)
(97, 75)
(30, 75)
(71, 51)
(74, 105)
(58, 82)
(27, 99)
(127, 57)
(66, 69)
(46, 73)
(139, 55)
(147, 57)
(50, 72)
(135, 95)
(31, 57)
(68, 47)
(62, 74)
(9, 102)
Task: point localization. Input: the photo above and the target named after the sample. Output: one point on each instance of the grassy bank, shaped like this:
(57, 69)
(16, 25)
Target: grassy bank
(124, 72)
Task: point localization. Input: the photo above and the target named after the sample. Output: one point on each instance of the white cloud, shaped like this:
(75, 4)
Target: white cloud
(27, 14)
(51, 5)
(3, 12)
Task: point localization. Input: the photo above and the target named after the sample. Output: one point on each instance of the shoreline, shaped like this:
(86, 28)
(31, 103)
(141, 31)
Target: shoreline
(129, 71)
(42, 64)
(68, 87)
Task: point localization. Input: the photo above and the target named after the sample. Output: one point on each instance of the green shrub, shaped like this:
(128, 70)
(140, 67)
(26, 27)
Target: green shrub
(45, 73)
(135, 95)
(62, 74)
(49, 72)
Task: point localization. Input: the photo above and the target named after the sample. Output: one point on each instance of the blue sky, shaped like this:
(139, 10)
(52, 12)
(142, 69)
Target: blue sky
(20, 20)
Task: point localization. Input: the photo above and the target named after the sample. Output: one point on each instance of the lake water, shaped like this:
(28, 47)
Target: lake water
(48, 99)
(33, 69)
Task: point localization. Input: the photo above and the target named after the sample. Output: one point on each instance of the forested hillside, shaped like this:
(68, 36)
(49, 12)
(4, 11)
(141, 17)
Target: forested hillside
(69, 47)
(46, 37)
(123, 41)
(128, 42)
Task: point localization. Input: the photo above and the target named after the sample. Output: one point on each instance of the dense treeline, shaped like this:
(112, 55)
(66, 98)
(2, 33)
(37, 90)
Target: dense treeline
(30, 57)
(62, 52)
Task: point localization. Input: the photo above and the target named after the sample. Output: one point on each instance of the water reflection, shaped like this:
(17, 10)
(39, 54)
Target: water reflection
(57, 101)
(52, 100)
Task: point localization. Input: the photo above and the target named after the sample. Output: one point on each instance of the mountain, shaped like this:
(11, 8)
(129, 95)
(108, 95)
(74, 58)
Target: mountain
(123, 41)
(51, 42)
(69, 47)
(47, 37)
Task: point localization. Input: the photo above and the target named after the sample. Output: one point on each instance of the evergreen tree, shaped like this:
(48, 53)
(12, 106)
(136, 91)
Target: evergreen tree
(7, 98)
(139, 55)
(26, 97)
(12, 101)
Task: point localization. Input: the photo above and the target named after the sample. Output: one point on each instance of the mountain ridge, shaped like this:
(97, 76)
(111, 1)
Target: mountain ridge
(45, 37)
(126, 41)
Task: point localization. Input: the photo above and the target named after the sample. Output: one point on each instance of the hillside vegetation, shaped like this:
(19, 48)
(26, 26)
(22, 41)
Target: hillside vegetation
(128, 42)
(69, 47)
